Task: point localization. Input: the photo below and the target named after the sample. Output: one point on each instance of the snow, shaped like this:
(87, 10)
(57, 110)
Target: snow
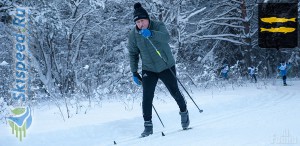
(159, 2)
(86, 67)
(100, 3)
(261, 114)
(3, 63)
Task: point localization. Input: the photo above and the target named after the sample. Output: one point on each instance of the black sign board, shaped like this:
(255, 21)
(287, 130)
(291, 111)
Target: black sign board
(277, 24)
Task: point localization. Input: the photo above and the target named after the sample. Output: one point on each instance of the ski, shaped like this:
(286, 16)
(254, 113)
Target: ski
(169, 132)
(151, 135)
(176, 131)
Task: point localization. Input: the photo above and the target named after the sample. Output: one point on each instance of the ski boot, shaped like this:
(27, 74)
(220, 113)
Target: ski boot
(148, 129)
(185, 121)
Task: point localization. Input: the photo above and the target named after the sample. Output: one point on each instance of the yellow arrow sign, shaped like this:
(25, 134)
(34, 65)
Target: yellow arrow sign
(277, 20)
(280, 29)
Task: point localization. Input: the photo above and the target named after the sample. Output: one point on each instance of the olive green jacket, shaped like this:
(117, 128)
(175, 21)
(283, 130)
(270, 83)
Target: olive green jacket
(151, 61)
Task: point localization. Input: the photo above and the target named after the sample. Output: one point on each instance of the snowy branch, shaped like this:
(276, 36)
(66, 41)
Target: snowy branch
(226, 12)
(230, 25)
(239, 2)
(5, 8)
(216, 19)
(219, 37)
(93, 28)
(191, 15)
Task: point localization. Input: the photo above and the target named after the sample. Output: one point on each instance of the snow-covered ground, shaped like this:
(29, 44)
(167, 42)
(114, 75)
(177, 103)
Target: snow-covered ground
(251, 115)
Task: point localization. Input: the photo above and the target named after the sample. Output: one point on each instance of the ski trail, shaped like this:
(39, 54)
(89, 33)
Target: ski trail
(251, 105)
(254, 105)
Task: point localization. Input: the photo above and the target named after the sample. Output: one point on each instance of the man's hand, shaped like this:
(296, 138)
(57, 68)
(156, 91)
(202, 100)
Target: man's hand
(145, 33)
(137, 78)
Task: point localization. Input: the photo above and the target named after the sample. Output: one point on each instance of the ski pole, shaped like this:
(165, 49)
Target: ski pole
(158, 116)
(156, 111)
(157, 51)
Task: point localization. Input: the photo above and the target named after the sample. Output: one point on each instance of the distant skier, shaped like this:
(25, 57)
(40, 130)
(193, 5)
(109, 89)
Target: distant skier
(252, 71)
(224, 71)
(153, 67)
(283, 68)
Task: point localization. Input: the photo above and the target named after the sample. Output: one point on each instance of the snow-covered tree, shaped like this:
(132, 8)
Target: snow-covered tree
(79, 46)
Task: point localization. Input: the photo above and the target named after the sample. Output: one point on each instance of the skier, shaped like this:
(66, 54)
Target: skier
(224, 71)
(283, 68)
(252, 70)
(153, 67)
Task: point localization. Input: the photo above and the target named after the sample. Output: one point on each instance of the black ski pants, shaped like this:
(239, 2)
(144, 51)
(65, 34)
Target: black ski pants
(149, 83)
(284, 79)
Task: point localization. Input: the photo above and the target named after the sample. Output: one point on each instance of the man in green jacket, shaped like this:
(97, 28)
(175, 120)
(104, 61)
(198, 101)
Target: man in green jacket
(153, 66)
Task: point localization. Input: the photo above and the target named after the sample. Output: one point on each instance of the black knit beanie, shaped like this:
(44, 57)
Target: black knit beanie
(139, 12)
